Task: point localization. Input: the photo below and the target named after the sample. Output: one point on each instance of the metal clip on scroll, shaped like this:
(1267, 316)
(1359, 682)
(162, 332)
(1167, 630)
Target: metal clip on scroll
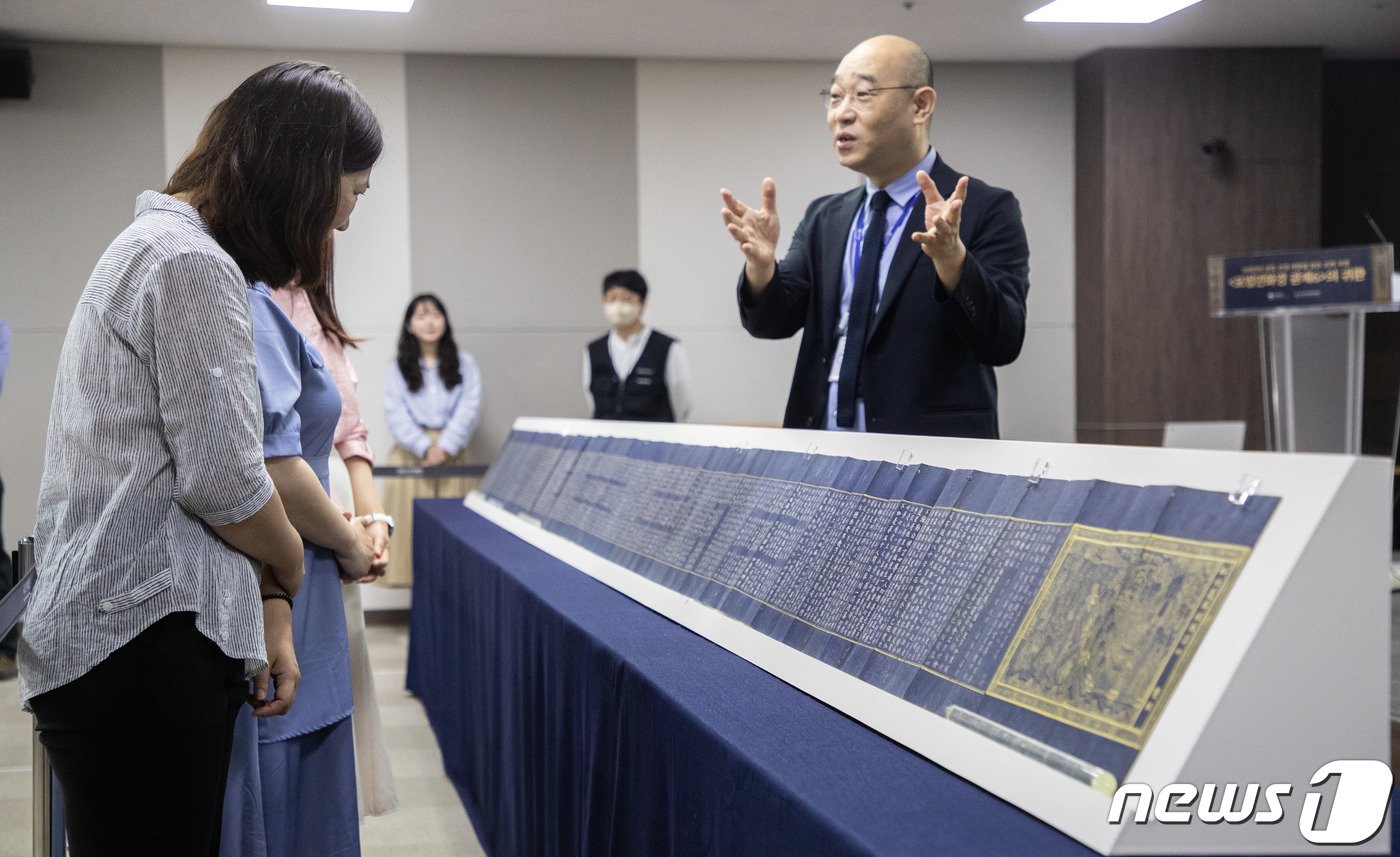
(1041, 468)
(1248, 485)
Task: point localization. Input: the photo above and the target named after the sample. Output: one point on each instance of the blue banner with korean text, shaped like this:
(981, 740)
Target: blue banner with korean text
(1340, 278)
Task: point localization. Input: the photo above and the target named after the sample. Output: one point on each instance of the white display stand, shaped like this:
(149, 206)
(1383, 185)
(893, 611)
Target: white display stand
(1292, 674)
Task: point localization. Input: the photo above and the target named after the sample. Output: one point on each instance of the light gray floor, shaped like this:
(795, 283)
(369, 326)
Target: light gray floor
(430, 821)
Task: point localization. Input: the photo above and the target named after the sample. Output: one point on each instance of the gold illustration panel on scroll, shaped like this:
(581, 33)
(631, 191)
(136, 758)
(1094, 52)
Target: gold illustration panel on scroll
(1115, 622)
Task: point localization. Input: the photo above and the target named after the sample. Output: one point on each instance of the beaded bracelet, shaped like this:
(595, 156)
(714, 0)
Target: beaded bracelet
(280, 596)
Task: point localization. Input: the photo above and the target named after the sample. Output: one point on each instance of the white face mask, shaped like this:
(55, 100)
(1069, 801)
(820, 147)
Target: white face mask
(621, 313)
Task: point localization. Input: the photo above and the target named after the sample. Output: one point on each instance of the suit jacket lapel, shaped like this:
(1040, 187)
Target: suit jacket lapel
(908, 253)
(835, 233)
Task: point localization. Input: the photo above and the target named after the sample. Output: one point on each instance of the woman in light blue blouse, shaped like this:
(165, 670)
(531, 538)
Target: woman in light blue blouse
(291, 781)
(432, 399)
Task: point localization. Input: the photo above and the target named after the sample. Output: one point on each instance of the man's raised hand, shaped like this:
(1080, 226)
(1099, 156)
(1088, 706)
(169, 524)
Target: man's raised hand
(939, 238)
(756, 231)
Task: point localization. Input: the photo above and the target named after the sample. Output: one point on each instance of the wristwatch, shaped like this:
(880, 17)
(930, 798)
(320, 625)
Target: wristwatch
(380, 517)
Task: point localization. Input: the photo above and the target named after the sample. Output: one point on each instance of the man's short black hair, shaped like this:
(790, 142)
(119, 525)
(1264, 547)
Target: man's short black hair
(627, 279)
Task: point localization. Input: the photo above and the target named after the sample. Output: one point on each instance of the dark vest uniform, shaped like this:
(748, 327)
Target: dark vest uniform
(643, 395)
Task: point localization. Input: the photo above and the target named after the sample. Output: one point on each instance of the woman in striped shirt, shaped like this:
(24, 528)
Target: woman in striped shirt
(158, 524)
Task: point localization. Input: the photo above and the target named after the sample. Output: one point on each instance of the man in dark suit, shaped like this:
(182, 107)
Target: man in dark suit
(908, 289)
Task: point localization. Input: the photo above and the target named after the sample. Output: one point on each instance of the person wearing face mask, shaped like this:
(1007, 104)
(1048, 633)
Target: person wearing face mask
(634, 372)
(432, 401)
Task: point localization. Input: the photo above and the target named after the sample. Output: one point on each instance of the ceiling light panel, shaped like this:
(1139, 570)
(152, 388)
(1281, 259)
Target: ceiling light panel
(1107, 11)
(349, 5)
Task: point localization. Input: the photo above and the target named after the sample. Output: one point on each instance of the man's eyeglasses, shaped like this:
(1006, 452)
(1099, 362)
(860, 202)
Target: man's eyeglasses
(860, 98)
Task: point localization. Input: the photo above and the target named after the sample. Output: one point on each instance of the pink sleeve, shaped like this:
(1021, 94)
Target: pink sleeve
(351, 433)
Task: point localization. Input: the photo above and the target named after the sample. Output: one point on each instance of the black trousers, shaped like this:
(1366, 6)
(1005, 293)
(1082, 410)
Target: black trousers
(10, 644)
(141, 743)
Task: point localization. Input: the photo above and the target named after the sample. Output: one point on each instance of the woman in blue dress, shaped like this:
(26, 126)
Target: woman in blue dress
(291, 788)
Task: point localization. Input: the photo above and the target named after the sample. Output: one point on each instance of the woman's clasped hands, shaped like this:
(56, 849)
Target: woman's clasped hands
(363, 555)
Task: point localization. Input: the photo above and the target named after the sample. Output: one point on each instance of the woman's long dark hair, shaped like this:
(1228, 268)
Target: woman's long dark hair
(449, 365)
(265, 174)
(323, 301)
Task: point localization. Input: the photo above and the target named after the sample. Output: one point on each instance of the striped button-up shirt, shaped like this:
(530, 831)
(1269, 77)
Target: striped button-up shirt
(155, 432)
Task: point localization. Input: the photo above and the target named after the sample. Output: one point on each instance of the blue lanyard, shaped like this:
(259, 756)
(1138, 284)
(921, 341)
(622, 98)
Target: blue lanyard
(894, 225)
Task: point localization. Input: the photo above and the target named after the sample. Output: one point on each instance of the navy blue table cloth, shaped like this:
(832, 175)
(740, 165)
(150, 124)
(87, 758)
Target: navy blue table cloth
(574, 721)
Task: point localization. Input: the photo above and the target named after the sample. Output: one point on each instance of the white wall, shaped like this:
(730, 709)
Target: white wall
(524, 194)
(1012, 124)
(73, 159)
(703, 126)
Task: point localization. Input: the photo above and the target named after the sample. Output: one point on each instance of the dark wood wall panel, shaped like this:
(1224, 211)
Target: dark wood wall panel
(1089, 211)
(1156, 206)
(1361, 173)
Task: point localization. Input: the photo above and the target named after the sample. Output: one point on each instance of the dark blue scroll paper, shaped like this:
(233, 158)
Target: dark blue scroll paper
(1064, 610)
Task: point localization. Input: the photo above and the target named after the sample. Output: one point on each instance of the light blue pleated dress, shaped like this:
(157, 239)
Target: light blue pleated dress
(291, 787)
